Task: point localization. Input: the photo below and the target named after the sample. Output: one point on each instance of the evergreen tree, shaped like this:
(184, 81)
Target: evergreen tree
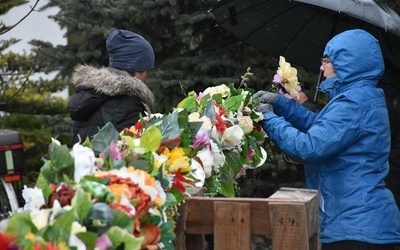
(26, 101)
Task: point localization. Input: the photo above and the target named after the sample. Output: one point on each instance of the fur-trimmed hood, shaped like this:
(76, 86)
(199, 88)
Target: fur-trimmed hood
(111, 82)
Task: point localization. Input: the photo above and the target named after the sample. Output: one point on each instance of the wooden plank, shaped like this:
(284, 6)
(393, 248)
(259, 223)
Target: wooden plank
(182, 241)
(232, 226)
(290, 206)
(200, 217)
(289, 226)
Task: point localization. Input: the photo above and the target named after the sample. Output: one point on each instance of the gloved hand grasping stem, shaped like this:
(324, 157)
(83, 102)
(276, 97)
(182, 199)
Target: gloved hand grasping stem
(265, 96)
(264, 108)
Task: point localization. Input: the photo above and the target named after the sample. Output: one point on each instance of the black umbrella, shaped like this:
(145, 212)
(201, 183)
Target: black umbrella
(300, 29)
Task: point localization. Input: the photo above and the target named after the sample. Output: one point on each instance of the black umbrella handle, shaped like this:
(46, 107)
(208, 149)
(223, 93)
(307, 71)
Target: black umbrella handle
(316, 88)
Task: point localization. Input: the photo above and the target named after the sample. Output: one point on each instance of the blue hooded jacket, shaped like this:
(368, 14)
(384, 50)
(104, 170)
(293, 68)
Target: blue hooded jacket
(345, 147)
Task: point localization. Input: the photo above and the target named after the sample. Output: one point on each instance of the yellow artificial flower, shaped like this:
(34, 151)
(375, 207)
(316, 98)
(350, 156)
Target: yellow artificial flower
(118, 190)
(30, 236)
(177, 159)
(288, 77)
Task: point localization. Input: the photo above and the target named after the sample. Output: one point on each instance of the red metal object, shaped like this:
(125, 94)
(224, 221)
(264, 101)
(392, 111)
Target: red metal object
(13, 177)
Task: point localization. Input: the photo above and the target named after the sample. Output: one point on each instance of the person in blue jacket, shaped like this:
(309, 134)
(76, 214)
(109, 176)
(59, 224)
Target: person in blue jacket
(344, 147)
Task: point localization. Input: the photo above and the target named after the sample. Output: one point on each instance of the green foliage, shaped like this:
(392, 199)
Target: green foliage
(5, 6)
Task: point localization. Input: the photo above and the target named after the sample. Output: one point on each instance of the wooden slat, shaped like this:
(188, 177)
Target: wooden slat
(288, 223)
(200, 218)
(232, 226)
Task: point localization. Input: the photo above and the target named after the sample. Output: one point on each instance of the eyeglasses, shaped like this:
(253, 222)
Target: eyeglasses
(325, 60)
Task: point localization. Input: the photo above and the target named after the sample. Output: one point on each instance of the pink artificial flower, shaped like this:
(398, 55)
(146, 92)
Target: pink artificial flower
(115, 152)
(277, 79)
(103, 242)
(200, 96)
(201, 139)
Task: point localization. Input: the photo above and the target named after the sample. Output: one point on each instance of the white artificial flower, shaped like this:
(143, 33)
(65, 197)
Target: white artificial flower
(198, 173)
(33, 197)
(43, 217)
(77, 228)
(264, 157)
(74, 241)
(218, 156)
(232, 137)
(207, 160)
(84, 161)
(195, 117)
(124, 201)
(246, 124)
(220, 89)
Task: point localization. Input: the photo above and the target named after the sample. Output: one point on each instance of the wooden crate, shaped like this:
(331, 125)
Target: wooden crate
(289, 217)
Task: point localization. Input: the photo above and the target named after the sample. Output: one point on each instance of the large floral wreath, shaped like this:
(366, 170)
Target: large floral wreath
(122, 188)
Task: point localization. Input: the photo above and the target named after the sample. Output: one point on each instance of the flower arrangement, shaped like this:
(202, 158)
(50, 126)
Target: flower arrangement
(120, 190)
(285, 80)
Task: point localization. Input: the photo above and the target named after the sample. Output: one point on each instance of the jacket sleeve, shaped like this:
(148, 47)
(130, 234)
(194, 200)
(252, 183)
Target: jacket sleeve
(333, 130)
(83, 104)
(299, 116)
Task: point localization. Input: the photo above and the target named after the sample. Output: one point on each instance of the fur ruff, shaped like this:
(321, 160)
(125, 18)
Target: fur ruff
(111, 83)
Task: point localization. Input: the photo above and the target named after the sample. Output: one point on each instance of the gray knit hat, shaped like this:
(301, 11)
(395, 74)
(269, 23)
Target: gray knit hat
(129, 51)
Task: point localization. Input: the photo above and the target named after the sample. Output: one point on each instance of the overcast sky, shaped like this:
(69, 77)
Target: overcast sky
(36, 26)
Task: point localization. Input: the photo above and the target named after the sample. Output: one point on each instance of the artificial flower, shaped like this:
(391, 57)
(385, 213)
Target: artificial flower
(84, 159)
(220, 89)
(232, 137)
(33, 197)
(124, 190)
(287, 77)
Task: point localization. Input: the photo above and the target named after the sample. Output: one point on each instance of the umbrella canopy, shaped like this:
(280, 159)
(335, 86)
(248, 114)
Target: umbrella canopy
(300, 29)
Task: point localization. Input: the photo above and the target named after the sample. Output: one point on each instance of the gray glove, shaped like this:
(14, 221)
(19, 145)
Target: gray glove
(264, 108)
(265, 96)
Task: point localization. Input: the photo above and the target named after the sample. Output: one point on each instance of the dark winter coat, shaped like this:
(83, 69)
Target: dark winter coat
(106, 95)
(345, 147)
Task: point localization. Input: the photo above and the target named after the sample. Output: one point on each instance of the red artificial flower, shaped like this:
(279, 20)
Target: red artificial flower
(220, 124)
(178, 180)
(6, 241)
(135, 130)
(134, 192)
(49, 246)
(63, 194)
(152, 235)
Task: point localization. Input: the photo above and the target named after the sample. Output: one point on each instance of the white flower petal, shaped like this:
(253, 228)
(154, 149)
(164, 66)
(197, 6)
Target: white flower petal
(84, 161)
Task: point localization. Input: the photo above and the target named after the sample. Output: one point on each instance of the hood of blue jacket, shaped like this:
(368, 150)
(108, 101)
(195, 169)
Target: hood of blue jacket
(357, 60)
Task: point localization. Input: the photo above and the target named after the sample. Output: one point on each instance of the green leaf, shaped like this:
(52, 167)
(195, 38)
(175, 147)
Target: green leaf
(170, 127)
(61, 162)
(232, 103)
(21, 224)
(82, 202)
(227, 190)
(42, 183)
(188, 103)
(233, 162)
(168, 235)
(88, 238)
(123, 221)
(151, 139)
(63, 224)
(104, 137)
(119, 237)
(210, 110)
(47, 172)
